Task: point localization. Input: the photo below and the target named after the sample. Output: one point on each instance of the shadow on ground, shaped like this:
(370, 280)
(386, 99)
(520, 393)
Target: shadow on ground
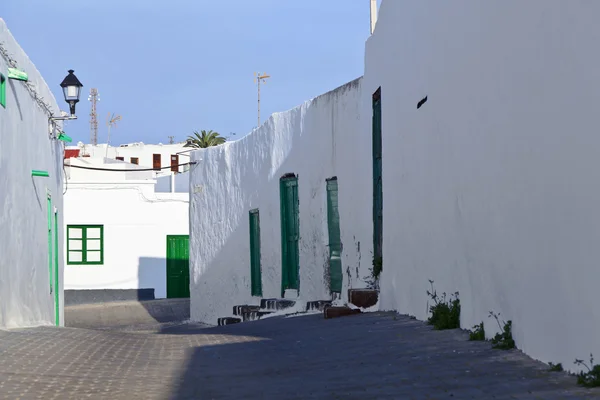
(367, 356)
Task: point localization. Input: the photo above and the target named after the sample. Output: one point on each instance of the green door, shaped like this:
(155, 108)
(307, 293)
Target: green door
(50, 260)
(255, 276)
(290, 233)
(178, 266)
(56, 296)
(377, 178)
(335, 242)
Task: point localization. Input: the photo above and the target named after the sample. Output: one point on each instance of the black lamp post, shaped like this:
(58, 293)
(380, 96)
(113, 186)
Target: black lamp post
(71, 89)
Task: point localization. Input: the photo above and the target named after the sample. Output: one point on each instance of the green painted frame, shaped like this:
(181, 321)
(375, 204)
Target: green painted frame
(3, 91)
(289, 255)
(56, 291)
(255, 254)
(83, 250)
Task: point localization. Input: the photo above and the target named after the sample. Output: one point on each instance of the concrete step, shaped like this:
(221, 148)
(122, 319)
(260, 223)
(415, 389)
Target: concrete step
(276, 304)
(363, 298)
(336, 312)
(239, 310)
(254, 315)
(228, 321)
(317, 305)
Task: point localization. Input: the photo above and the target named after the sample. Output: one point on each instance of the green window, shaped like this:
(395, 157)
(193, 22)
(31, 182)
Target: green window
(255, 275)
(85, 244)
(2, 91)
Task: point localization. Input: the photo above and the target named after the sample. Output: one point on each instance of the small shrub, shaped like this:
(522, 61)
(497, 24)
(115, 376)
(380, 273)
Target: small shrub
(556, 367)
(377, 267)
(445, 314)
(478, 333)
(503, 340)
(591, 378)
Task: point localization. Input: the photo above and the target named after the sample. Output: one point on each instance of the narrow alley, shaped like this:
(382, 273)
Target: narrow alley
(368, 356)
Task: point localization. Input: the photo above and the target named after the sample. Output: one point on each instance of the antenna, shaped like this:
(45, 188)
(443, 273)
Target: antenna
(111, 121)
(171, 141)
(258, 78)
(94, 98)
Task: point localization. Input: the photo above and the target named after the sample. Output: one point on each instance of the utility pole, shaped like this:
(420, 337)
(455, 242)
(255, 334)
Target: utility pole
(111, 121)
(258, 79)
(171, 141)
(373, 15)
(93, 98)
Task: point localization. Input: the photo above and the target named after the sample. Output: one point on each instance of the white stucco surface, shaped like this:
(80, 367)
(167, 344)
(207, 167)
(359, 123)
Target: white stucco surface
(136, 223)
(490, 188)
(26, 145)
(320, 139)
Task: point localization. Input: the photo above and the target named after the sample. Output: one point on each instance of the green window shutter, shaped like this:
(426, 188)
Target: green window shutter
(255, 272)
(2, 91)
(290, 233)
(377, 178)
(335, 242)
(85, 244)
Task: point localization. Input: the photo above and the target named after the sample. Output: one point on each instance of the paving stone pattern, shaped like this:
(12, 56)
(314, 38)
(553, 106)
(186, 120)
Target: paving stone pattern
(365, 356)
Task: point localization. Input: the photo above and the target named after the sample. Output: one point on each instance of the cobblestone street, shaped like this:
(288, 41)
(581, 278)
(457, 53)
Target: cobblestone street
(369, 356)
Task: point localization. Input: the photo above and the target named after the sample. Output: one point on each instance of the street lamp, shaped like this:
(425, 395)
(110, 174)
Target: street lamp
(71, 89)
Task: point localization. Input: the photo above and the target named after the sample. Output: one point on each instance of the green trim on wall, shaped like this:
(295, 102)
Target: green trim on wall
(84, 245)
(2, 91)
(35, 172)
(64, 137)
(14, 73)
(56, 291)
(49, 206)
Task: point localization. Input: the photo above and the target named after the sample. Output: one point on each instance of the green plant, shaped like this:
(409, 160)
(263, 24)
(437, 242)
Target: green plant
(503, 340)
(445, 314)
(205, 139)
(591, 378)
(377, 267)
(556, 367)
(478, 332)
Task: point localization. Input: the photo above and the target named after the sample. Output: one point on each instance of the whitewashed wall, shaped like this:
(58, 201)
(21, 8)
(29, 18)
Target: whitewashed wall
(136, 223)
(490, 189)
(25, 145)
(317, 140)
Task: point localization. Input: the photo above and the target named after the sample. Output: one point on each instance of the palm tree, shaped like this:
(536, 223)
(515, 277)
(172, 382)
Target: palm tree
(205, 139)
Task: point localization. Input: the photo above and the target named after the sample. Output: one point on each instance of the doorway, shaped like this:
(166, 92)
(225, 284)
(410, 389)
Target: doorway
(377, 180)
(335, 242)
(290, 233)
(178, 266)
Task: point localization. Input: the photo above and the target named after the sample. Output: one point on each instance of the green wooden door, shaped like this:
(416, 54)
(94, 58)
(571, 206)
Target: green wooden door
(290, 233)
(255, 275)
(335, 242)
(178, 266)
(56, 296)
(50, 260)
(377, 178)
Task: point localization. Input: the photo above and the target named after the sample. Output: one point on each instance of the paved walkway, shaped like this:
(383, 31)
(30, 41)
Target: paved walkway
(374, 356)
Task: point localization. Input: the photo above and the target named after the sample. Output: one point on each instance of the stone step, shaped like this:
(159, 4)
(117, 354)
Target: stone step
(336, 312)
(363, 298)
(276, 304)
(318, 305)
(228, 321)
(239, 310)
(254, 315)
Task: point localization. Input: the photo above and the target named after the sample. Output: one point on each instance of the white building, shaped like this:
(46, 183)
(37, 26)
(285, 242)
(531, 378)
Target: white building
(122, 235)
(237, 192)
(31, 202)
(165, 158)
(479, 119)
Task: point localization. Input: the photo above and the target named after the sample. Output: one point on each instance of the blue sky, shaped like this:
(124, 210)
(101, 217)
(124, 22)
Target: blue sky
(170, 68)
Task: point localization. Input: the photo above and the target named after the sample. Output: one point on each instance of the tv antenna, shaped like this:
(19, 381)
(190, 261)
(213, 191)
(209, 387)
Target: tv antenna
(258, 78)
(111, 121)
